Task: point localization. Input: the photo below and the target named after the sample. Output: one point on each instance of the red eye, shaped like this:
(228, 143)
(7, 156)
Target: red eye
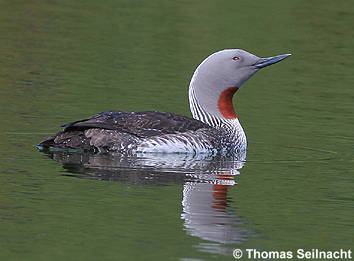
(236, 58)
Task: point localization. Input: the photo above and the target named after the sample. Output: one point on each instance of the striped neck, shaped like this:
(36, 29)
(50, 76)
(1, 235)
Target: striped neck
(215, 113)
(218, 112)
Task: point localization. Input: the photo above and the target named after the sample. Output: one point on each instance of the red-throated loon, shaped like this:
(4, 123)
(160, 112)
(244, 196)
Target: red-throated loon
(214, 127)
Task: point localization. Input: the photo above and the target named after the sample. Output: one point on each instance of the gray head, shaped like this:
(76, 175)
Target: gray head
(222, 73)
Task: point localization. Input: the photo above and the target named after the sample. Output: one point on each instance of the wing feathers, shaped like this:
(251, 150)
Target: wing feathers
(141, 124)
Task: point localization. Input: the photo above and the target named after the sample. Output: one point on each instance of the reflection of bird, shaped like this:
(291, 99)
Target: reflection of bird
(214, 129)
(149, 168)
(208, 211)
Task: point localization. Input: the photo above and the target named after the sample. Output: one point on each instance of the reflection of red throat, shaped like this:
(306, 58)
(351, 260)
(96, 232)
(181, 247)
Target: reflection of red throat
(220, 192)
(220, 196)
(225, 105)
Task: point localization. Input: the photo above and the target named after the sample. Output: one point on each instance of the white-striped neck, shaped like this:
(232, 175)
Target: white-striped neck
(217, 110)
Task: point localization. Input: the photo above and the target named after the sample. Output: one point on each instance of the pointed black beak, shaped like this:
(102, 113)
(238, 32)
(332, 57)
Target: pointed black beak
(263, 62)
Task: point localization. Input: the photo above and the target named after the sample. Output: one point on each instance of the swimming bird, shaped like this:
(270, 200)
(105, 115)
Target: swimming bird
(214, 128)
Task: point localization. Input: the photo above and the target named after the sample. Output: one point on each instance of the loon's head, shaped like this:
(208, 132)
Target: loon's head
(221, 74)
(233, 67)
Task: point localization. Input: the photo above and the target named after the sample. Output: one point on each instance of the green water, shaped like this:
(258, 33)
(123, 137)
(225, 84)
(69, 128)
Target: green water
(65, 60)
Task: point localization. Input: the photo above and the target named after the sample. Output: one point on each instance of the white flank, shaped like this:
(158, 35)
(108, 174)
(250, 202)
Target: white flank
(172, 144)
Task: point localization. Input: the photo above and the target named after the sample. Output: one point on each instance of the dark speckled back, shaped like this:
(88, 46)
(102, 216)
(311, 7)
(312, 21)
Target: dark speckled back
(142, 124)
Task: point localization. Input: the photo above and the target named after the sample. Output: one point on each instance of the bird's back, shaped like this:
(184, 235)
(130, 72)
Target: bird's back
(123, 130)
